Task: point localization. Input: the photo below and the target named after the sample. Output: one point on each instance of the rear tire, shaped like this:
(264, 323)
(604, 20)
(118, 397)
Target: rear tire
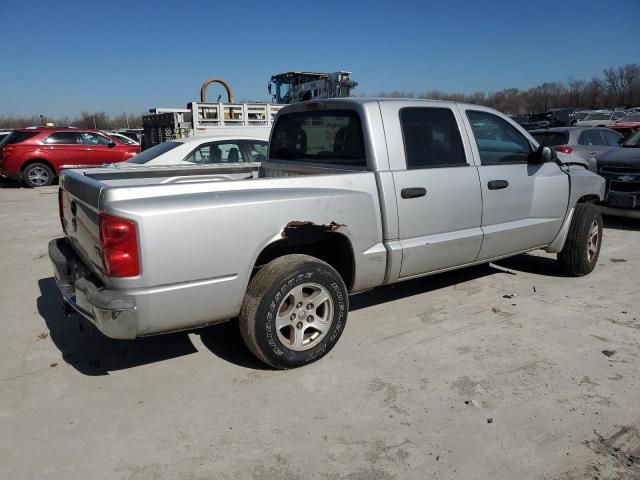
(294, 311)
(582, 246)
(38, 175)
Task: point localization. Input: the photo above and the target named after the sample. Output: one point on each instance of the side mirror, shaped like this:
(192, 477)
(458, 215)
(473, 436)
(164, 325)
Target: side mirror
(542, 155)
(111, 144)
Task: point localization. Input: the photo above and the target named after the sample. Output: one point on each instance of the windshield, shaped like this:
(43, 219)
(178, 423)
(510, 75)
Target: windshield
(630, 118)
(551, 139)
(598, 116)
(633, 141)
(325, 136)
(153, 152)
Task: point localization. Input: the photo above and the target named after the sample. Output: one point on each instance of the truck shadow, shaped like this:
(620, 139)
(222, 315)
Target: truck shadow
(418, 286)
(621, 223)
(532, 263)
(91, 353)
(225, 341)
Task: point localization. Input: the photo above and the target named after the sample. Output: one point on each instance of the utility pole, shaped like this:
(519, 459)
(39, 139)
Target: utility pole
(95, 125)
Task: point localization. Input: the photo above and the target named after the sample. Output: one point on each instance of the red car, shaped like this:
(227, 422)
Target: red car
(36, 155)
(627, 126)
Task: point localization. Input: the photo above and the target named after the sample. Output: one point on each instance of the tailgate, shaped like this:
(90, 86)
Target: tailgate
(80, 197)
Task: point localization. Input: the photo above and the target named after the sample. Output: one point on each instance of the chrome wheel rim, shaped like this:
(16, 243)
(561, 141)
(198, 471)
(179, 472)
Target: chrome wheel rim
(304, 316)
(593, 241)
(38, 176)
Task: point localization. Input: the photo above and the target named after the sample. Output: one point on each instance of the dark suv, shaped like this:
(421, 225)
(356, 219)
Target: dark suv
(36, 155)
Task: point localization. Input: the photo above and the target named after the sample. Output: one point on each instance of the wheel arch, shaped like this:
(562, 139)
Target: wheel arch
(319, 241)
(31, 161)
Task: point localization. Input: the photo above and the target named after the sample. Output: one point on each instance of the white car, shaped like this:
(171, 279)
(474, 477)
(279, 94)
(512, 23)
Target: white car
(122, 138)
(202, 150)
(600, 118)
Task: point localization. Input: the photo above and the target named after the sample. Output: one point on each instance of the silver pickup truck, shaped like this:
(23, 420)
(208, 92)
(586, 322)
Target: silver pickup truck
(354, 194)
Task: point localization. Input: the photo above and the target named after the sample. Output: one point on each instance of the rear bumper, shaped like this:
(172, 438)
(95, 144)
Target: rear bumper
(113, 313)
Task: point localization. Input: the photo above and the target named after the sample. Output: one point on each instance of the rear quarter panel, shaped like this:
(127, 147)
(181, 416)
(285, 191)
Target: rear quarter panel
(199, 242)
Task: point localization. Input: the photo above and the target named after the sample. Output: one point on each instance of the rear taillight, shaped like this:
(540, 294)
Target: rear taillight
(61, 207)
(566, 150)
(119, 246)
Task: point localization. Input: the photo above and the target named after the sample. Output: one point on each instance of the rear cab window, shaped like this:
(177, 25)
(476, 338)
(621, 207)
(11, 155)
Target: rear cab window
(431, 138)
(323, 136)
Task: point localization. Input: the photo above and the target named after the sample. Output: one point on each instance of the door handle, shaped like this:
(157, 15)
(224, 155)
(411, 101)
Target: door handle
(413, 192)
(497, 184)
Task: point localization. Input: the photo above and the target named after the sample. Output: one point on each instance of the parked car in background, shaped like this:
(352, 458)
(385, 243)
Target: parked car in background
(35, 156)
(627, 125)
(4, 134)
(600, 118)
(558, 117)
(202, 150)
(584, 142)
(122, 138)
(525, 122)
(580, 114)
(133, 133)
(621, 169)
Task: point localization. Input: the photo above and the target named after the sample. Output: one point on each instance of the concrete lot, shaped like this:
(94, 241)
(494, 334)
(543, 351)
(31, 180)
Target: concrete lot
(441, 378)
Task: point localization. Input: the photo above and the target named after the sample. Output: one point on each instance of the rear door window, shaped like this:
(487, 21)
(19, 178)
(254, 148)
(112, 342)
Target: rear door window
(324, 136)
(498, 141)
(63, 138)
(591, 137)
(431, 138)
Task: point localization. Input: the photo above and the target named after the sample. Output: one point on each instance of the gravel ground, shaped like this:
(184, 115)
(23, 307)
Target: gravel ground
(505, 371)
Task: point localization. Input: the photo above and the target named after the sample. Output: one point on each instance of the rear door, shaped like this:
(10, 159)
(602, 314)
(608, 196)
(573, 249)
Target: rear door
(437, 187)
(591, 142)
(523, 204)
(64, 148)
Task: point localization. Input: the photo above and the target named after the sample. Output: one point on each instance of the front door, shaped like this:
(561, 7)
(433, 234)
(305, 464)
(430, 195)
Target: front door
(100, 149)
(437, 189)
(524, 204)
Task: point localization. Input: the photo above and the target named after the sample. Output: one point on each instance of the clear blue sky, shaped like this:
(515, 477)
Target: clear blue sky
(59, 58)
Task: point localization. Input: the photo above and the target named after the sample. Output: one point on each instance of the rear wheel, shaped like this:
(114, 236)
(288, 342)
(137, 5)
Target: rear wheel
(38, 175)
(294, 311)
(582, 246)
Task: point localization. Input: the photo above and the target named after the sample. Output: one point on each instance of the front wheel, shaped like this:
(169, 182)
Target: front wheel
(294, 311)
(38, 175)
(582, 246)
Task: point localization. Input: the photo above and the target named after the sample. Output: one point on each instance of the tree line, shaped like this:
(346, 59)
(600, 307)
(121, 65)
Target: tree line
(99, 120)
(616, 88)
